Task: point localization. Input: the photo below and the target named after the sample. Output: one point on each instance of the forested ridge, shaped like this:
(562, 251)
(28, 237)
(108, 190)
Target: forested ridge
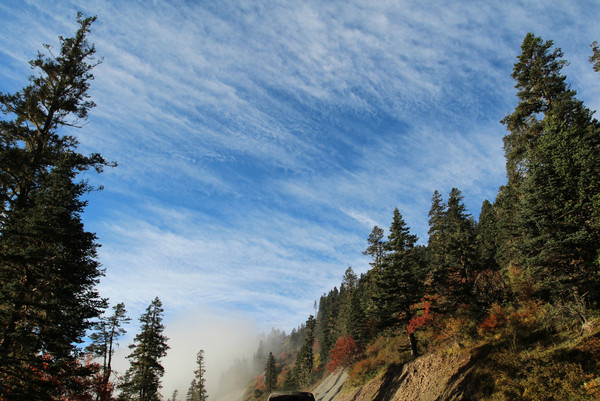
(522, 281)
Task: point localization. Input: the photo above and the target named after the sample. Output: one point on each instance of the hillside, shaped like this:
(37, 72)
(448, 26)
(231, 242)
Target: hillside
(563, 371)
(519, 362)
(427, 378)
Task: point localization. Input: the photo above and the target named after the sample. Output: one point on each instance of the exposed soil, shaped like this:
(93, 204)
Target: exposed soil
(432, 377)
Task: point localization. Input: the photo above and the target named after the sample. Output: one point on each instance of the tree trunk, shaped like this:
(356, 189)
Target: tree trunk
(413, 345)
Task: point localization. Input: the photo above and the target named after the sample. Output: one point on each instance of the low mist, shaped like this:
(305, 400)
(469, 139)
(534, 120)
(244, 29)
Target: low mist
(225, 339)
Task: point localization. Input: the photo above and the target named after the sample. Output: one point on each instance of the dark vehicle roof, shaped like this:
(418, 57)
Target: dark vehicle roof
(292, 396)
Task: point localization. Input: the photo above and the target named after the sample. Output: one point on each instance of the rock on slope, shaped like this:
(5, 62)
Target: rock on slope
(331, 386)
(431, 377)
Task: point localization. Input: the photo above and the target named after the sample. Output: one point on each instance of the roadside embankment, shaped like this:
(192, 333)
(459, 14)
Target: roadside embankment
(432, 377)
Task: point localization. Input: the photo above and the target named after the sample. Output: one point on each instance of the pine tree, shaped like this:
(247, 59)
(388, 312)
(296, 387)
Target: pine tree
(326, 323)
(452, 250)
(191, 394)
(487, 237)
(350, 280)
(150, 345)
(400, 238)
(351, 319)
(488, 286)
(260, 357)
(553, 166)
(400, 283)
(174, 396)
(508, 231)
(200, 393)
(460, 248)
(270, 374)
(108, 330)
(540, 84)
(48, 266)
(375, 248)
(357, 318)
(290, 381)
(303, 371)
(435, 244)
(595, 57)
(344, 320)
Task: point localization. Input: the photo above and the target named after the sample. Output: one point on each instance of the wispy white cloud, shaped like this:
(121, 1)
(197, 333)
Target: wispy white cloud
(258, 143)
(266, 262)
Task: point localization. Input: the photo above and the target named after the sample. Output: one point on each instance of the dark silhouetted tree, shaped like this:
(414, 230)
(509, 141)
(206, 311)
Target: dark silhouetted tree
(553, 166)
(435, 244)
(452, 251)
(305, 359)
(460, 249)
(326, 322)
(142, 379)
(400, 283)
(191, 394)
(200, 393)
(375, 248)
(107, 330)
(487, 237)
(595, 57)
(270, 374)
(48, 266)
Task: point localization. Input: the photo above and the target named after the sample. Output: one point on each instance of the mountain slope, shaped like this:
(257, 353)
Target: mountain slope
(433, 377)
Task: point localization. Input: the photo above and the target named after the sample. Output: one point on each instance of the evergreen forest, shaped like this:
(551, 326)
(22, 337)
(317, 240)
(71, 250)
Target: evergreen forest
(520, 284)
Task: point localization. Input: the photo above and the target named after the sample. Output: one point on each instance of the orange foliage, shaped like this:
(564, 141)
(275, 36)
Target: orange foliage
(496, 318)
(343, 354)
(422, 320)
(281, 377)
(260, 383)
(593, 388)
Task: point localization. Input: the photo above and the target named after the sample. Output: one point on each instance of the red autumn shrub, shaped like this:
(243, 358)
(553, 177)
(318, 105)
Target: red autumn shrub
(422, 320)
(496, 318)
(344, 352)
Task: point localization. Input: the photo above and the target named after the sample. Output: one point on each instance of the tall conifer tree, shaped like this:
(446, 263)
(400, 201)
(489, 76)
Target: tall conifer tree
(452, 250)
(435, 244)
(270, 374)
(200, 393)
(400, 283)
(460, 248)
(303, 371)
(326, 322)
(553, 166)
(347, 289)
(375, 248)
(351, 319)
(104, 340)
(48, 266)
(487, 237)
(142, 381)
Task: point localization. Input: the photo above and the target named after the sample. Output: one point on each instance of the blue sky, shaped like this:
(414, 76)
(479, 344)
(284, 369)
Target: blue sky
(259, 142)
